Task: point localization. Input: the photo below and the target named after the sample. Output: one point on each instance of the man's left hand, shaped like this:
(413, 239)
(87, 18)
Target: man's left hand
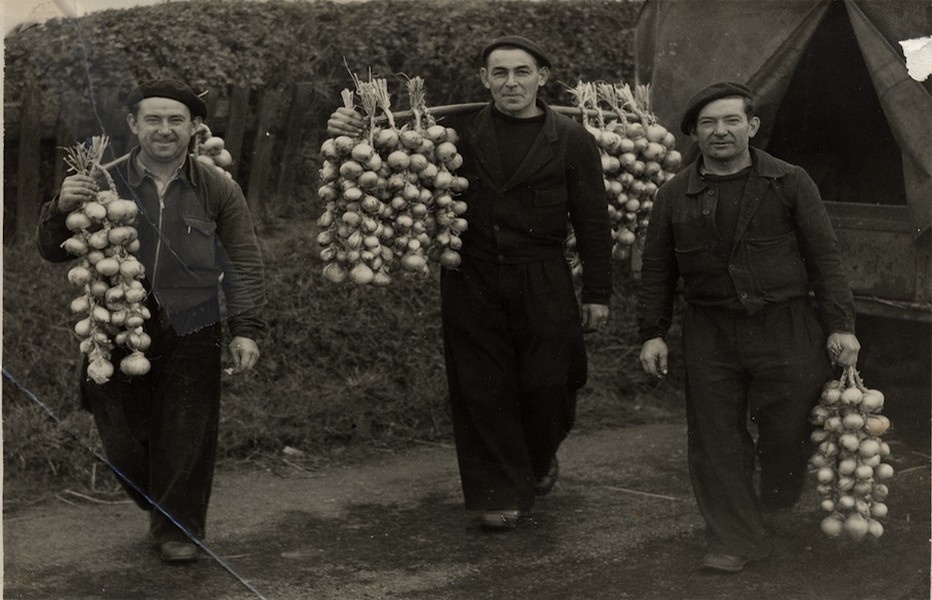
(843, 348)
(245, 353)
(594, 317)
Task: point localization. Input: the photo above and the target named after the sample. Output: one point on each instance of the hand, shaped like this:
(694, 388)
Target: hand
(345, 121)
(245, 354)
(654, 357)
(75, 190)
(594, 317)
(843, 349)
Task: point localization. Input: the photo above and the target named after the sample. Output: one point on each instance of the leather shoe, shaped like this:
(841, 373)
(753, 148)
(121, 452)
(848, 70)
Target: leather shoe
(501, 520)
(728, 563)
(543, 485)
(177, 552)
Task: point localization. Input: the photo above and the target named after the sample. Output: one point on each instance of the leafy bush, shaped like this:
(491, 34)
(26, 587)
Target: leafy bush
(273, 44)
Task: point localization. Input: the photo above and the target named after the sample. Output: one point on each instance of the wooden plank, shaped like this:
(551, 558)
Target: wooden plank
(27, 172)
(301, 101)
(235, 131)
(258, 189)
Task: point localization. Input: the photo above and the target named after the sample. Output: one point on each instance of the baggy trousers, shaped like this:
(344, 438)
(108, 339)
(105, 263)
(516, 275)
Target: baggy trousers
(514, 361)
(770, 365)
(160, 429)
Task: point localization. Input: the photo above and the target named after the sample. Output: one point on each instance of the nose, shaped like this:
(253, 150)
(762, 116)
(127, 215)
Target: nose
(511, 81)
(720, 128)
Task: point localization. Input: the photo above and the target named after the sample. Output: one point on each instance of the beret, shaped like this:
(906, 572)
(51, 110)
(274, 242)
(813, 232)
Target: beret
(518, 41)
(721, 89)
(168, 88)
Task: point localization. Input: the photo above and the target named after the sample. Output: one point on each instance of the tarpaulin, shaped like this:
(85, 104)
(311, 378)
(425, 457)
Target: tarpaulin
(683, 45)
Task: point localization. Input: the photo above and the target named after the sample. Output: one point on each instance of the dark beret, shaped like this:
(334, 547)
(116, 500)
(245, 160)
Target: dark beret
(721, 89)
(168, 88)
(518, 41)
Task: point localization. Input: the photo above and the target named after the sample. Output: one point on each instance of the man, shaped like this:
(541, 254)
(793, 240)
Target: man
(195, 231)
(511, 323)
(750, 237)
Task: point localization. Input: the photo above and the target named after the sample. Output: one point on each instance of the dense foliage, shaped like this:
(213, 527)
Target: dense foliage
(271, 44)
(339, 364)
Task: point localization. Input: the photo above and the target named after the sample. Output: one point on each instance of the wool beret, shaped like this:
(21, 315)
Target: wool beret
(721, 89)
(518, 41)
(168, 88)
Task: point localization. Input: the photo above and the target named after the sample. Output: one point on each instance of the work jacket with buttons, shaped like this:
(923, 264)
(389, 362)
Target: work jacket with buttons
(524, 218)
(784, 248)
(196, 238)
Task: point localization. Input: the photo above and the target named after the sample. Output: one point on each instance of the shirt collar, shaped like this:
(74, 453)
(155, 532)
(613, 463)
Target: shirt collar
(762, 165)
(136, 171)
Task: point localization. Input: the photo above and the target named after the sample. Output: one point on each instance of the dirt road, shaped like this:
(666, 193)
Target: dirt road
(621, 524)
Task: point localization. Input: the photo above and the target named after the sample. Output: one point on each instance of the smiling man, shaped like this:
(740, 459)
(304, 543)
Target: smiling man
(751, 239)
(196, 237)
(512, 327)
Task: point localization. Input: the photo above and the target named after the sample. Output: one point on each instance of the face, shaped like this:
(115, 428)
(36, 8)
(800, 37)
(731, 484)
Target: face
(164, 128)
(723, 130)
(513, 78)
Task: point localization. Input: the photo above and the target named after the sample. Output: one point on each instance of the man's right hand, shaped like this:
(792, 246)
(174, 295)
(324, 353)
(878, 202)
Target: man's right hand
(75, 190)
(345, 121)
(654, 357)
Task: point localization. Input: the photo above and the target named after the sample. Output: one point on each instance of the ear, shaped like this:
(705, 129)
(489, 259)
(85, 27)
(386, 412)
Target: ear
(131, 121)
(544, 76)
(755, 125)
(484, 76)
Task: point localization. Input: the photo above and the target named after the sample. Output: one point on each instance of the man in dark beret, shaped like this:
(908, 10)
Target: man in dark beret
(196, 236)
(512, 327)
(749, 236)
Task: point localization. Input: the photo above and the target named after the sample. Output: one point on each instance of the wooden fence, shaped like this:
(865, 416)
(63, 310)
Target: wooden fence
(268, 132)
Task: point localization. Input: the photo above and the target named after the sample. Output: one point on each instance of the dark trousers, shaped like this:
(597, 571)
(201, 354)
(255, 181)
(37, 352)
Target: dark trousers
(160, 430)
(514, 360)
(770, 366)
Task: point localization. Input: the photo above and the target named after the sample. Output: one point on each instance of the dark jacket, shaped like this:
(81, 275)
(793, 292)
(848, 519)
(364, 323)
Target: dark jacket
(199, 237)
(525, 218)
(784, 247)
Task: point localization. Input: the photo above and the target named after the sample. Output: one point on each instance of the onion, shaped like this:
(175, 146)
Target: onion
(135, 364)
(883, 471)
(856, 526)
(95, 211)
(100, 370)
(77, 221)
(832, 526)
(80, 304)
(335, 273)
(84, 327)
(874, 528)
(79, 275)
(361, 274)
(877, 424)
(100, 314)
(75, 246)
(108, 266)
(851, 396)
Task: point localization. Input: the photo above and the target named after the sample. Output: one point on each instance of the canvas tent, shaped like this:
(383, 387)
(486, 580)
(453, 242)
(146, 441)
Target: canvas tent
(833, 95)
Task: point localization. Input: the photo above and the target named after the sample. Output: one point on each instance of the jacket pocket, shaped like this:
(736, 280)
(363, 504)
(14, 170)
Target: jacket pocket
(198, 245)
(694, 260)
(549, 212)
(776, 262)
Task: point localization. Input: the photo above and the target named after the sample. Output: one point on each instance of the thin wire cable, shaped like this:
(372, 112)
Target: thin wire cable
(132, 484)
